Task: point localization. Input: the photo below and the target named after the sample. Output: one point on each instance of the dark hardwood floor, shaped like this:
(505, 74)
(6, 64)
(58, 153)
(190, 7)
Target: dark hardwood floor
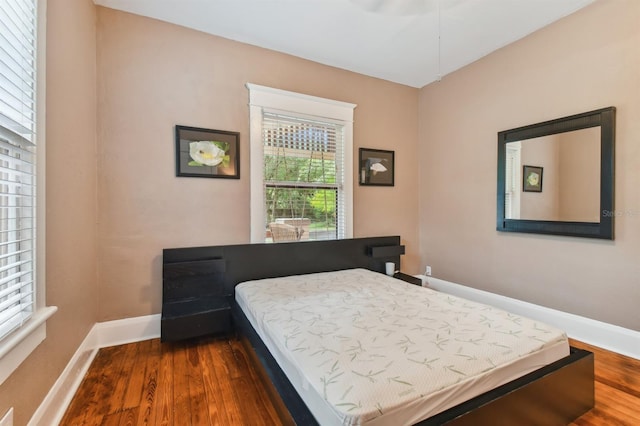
(211, 382)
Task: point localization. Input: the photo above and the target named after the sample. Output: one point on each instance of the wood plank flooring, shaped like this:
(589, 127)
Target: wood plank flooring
(211, 382)
(206, 382)
(617, 389)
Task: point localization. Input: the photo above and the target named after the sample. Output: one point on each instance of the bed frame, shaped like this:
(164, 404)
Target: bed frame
(553, 395)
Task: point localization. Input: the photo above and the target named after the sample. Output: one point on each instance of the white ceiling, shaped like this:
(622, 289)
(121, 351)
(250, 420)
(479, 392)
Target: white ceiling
(412, 42)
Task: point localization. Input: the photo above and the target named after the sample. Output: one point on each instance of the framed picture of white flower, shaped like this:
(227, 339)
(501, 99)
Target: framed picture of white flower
(531, 179)
(376, 167)
(207, 153)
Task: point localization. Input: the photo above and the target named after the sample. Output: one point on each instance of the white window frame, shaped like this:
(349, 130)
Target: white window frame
(18, 345)
(277, 100)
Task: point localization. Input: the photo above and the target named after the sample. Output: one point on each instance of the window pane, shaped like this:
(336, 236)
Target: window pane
(310, 214)
(302, 178)
(17, 163)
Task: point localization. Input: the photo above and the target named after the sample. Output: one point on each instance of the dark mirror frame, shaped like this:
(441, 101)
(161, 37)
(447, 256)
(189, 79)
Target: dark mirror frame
(605, 118)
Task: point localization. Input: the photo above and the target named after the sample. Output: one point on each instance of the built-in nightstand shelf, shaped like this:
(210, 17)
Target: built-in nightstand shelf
(408, 278)
(192, 318)
(194, 302)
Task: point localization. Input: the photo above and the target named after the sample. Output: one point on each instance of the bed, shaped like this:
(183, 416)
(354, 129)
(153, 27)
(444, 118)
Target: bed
(274, 288)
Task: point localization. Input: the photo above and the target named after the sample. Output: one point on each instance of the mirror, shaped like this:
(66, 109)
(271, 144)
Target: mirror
(556, 177)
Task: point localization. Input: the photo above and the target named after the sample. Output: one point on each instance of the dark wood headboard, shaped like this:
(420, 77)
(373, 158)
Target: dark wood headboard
(245, 262)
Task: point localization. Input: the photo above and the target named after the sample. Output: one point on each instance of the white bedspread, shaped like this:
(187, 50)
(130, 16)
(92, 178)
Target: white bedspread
(375, 348)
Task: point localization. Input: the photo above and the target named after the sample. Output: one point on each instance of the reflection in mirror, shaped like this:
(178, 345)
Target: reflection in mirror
(571, 164)
(556, 177)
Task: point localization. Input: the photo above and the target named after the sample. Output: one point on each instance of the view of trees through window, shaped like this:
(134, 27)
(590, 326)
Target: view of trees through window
(301, 179)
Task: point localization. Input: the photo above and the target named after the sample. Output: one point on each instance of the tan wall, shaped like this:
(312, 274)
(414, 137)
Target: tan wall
(70, 206)
(586, 61)
(152, 76)
(580, 186)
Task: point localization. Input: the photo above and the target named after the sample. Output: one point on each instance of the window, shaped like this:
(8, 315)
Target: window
(301, 171)
(512, 181)
(22, 314)
(302, 177)
(17, 163)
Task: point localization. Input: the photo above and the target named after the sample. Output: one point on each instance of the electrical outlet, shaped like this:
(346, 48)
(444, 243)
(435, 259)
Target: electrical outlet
(427, 272)
(7, 420)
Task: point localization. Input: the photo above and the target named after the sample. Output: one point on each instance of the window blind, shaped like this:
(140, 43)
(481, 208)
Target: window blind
(512, 182)
(303, 178)
(17, 162)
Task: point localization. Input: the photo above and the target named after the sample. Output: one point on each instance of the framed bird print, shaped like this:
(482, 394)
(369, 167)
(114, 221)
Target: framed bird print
(376, 167)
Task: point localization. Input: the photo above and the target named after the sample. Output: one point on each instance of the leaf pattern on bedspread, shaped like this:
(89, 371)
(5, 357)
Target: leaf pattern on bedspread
(369, 343)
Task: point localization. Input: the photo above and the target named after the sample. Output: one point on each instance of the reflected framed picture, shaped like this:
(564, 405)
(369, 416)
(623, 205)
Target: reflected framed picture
(376, 167)
(531, 179)
(207, 153)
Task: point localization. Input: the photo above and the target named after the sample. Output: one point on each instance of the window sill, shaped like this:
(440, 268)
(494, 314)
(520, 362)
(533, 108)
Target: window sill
(19, 345)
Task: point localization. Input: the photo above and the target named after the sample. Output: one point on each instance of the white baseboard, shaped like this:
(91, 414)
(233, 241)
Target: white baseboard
(128, 330)
(102, 334)
(607, 336)
(54, 405)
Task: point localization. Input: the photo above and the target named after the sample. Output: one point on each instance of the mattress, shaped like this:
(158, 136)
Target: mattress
(364, 348)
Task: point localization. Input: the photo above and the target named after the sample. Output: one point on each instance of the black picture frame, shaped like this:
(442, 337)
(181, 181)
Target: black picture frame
(376, 167)
(219, 156)
(531, 179)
